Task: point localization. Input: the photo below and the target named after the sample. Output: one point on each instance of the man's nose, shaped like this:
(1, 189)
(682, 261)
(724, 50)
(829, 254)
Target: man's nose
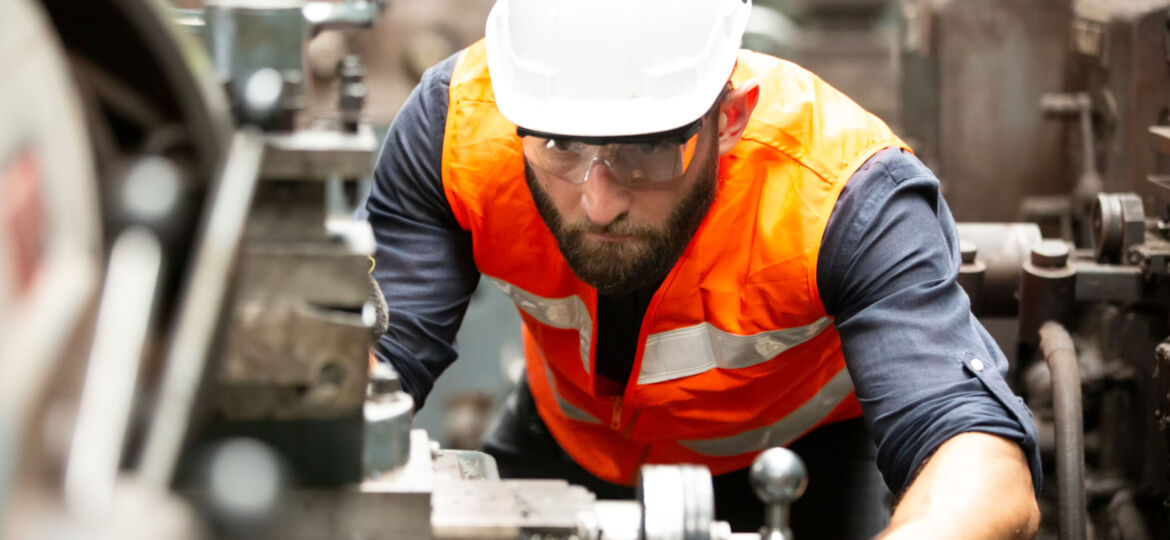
(603, 198)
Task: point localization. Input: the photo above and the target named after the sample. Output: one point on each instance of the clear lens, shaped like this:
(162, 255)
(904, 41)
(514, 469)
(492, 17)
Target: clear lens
(632, 164)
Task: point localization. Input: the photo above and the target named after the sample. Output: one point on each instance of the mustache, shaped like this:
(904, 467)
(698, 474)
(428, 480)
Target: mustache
(620, 227)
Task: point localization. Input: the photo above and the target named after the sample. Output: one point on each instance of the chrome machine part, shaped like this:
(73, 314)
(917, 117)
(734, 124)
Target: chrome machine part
(779, 478)
(465, 499)
(677, 502)
(441, 495)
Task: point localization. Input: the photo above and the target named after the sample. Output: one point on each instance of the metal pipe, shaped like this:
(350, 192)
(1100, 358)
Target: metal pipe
(1057, 347)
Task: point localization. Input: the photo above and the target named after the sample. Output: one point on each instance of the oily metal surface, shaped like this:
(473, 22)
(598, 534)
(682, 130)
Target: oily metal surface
(508, 509)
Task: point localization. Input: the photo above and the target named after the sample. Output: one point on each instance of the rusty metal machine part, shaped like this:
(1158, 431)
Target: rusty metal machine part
(973, 72)
(1046, 290)
(294, 366)
(1078, 105)
(1113, 299)
(997, 252)
(1117, 313)
(1120, 53)
(1106, 280)
(1119, 223)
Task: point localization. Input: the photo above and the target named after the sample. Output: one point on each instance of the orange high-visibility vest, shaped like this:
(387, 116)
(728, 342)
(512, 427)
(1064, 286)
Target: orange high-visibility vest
(736, 353)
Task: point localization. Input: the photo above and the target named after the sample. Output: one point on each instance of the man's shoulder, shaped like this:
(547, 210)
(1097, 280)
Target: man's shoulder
(771, 70)
(807, 119)
(891, 167)
(436, 80)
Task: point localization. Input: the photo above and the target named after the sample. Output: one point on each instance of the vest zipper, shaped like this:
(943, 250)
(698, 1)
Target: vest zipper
(615, 421)
(630, 425)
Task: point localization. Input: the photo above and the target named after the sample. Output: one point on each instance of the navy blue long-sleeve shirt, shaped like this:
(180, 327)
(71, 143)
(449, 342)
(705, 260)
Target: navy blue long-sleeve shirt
(924, 369)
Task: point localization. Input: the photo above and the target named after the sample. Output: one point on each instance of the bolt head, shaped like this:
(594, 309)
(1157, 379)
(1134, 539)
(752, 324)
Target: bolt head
(1050, 254)
(968, 250)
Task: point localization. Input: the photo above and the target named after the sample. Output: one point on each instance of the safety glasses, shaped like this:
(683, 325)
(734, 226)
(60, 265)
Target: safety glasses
(635, 161)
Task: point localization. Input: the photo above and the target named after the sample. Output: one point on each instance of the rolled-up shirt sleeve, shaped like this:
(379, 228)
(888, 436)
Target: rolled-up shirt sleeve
(423, 261)
(923, 367)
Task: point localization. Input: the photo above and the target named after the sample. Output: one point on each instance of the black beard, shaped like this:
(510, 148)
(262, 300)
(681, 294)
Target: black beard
(617, 269)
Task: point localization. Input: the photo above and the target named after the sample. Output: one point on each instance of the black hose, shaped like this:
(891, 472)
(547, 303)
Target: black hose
(1057, 347)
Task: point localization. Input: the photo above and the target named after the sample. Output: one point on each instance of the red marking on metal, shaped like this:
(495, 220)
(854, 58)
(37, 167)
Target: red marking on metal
(22, 215)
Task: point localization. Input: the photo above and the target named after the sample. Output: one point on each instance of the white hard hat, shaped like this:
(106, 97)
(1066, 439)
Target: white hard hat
(601, 68)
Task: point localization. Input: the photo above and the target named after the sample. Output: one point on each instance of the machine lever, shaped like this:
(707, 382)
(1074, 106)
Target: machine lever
(779, 478)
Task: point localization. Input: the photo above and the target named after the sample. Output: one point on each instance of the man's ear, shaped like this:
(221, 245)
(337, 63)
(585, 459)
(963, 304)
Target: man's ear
(734, 112)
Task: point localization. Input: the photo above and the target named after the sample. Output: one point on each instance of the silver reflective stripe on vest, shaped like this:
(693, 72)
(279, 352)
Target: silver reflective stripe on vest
(785, 430)
(687, 351)
(568, 313)
(568, 409)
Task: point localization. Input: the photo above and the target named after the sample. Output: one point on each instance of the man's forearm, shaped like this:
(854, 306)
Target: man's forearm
(974, 486)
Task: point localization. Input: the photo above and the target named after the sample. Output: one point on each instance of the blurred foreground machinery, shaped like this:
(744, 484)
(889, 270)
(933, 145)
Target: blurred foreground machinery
(214, 380)
(1053, 114)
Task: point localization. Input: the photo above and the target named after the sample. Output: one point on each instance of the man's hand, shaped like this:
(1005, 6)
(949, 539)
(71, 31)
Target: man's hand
(975, 486)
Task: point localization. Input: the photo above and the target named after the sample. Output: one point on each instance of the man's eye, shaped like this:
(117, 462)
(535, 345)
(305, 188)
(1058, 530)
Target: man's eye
(559, 145)
(648, 148)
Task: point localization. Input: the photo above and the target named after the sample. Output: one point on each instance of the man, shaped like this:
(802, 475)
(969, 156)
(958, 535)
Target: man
(713, 252)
